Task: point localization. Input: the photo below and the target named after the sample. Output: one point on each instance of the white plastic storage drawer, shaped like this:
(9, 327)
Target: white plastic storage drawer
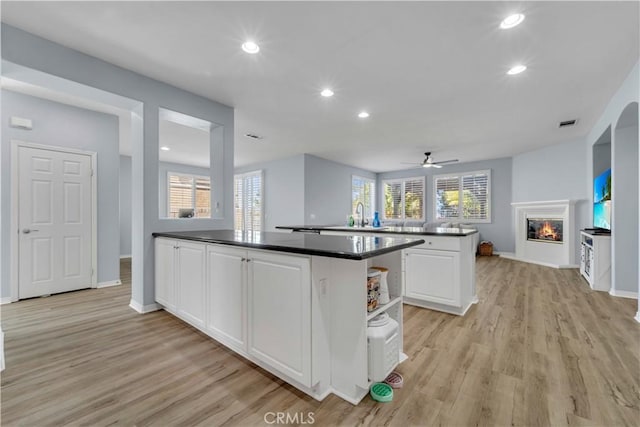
(438, 242)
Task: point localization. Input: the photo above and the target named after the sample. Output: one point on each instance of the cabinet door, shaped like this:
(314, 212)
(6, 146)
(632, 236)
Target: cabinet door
(433, 276)
(191, 278)
(165, 277)
(226, 295)
(280, 313)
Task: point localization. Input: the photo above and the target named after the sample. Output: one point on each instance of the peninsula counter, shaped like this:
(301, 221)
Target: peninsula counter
(438, 274)
(295, 304)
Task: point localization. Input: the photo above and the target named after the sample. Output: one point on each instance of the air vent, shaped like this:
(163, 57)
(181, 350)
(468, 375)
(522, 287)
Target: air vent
(567, 123)
(253, 136)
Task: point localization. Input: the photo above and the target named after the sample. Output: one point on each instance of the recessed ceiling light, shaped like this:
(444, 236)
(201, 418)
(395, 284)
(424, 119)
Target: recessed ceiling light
(363, 114)
(326, 93)
(517, 69)
(165, 148)
(511, 21)
(250, 47)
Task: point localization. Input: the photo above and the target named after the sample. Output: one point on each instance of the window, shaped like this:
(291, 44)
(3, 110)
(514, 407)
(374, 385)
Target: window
(363, 190)
(248, 201)
(474, 188)
(404, 199)
(189, 192)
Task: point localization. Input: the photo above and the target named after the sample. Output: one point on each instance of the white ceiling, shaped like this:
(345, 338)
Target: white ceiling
(187, 145)
(432, 74)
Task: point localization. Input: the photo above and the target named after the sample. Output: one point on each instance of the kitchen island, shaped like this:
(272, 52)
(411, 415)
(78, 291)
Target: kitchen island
(295, 304)
(438, 274)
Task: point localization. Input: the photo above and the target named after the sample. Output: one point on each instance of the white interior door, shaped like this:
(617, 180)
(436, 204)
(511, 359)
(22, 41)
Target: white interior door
(54, 220)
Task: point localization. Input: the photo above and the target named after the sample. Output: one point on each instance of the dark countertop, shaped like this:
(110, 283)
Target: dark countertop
(347, 246)
(418, 231)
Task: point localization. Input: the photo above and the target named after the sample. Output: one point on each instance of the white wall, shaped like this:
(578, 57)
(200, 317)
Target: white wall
(628, 93)
(499, 231)
(284, 196)
(125, 206)
(30, 51)
(65, 126)
(554, 173)
(327, 190)
(624, 198)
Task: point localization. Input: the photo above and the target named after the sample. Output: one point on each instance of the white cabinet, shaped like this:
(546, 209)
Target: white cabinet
(280, 313)
(190, 273)
(180, 277)
(595, 260)
(254, 302)
(440, 274)
(433, 275)
(227, 295)
(165, 276)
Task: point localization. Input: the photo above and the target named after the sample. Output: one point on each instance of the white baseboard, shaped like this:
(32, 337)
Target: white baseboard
(142, 309)
(512, 256)
(5, 300)
(125, 256)
(637, 317)
(623, 294)
(108, 284)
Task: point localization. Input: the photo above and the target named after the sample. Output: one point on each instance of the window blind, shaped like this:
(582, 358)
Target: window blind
(413, 198)
(475, 189)
(203, 198)
(404, 199)
(463, 197)
(447, 194)
(363, 190)
(393, 200)
(248, 201)
(189, 192)
(180, 194)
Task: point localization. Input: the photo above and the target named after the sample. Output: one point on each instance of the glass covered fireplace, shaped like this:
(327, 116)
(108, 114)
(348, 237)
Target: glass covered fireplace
(544, 230)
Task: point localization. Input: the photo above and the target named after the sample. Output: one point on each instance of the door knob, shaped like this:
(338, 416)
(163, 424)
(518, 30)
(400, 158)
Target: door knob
(28, 230)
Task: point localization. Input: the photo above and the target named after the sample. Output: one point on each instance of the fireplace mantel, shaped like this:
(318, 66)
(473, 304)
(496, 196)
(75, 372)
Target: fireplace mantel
(558, 255)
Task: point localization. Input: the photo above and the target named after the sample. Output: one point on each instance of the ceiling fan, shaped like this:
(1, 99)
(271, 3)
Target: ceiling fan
(429, 163)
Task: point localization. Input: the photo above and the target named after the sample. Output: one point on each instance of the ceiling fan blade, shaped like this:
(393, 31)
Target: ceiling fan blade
(445, 162)
(410, 163)
(435, 165)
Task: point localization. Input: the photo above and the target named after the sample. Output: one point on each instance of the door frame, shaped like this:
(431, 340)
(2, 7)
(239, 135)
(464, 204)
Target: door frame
(15, 241)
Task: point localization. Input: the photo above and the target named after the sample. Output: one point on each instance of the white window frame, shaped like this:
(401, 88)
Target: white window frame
(366, 180)
(404, 214)
(242, 176)
(194, 176)
(460, 217)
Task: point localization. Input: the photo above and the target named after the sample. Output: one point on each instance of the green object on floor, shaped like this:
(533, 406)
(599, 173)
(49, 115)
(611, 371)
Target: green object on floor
(381, 392)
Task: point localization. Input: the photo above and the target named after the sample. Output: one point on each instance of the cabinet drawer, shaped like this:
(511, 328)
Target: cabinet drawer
(438, 243)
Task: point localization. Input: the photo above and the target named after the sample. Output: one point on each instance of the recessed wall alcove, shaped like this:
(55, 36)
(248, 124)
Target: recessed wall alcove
(625, 200)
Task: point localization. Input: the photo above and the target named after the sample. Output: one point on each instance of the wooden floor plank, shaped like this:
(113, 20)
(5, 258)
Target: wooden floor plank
(541, 348)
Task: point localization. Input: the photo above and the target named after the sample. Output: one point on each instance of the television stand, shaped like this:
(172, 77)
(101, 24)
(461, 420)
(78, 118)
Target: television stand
(597, 231)
(595, 259)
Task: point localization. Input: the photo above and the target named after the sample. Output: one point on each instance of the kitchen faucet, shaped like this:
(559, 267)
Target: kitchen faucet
(360, 207)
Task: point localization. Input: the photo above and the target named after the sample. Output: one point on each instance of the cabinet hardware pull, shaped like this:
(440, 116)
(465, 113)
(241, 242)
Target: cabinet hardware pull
(243, 259)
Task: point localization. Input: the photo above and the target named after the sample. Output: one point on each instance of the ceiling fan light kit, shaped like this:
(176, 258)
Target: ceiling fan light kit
(429, 163)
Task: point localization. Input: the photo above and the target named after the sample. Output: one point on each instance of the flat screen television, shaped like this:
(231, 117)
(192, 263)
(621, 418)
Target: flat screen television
(602, 201)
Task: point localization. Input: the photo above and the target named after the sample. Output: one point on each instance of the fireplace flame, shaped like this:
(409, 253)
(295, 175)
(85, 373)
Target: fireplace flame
(547, 231)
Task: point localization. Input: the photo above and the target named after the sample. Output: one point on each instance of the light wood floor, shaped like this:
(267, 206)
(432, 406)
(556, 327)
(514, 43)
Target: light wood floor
(539, 349)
